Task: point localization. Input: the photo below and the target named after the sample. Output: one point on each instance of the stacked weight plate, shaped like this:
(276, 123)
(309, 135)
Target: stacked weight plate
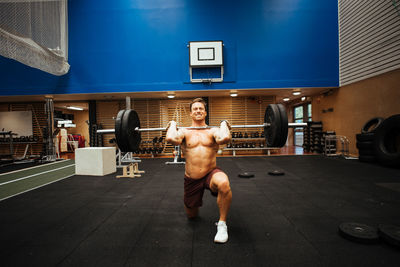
(365, 140)
(276, 134)
(127, 138)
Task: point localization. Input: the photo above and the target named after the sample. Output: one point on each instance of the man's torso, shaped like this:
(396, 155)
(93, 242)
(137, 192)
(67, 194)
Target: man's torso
(200, 150)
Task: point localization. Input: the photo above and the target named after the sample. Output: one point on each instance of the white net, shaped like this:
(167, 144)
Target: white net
(35, 33)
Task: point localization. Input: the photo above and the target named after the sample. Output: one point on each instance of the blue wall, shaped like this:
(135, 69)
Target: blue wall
(141, 45)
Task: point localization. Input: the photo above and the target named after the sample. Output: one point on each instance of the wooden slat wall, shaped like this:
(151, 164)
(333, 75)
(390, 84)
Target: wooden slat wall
(239, 110)
(150, 117)
(155, 113)
(177, 110)
(106, 111)
(38, 122)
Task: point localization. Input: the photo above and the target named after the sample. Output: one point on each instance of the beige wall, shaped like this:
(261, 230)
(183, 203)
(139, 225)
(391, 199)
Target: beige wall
(353, 105)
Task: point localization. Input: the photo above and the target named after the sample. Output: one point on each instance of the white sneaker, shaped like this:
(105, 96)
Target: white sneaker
(222, 232)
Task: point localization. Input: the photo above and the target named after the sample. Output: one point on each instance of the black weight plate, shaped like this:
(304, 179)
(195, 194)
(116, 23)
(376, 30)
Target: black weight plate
(131, 138)
(372, 125)
(358, 232)
(390, 233)
(362, 137)
(276, 173)
(273, 131)
(365, 145)
(284, 125)
(137, 137)
(366, 152)
(387, 141)
(121, 142)
(246, 175)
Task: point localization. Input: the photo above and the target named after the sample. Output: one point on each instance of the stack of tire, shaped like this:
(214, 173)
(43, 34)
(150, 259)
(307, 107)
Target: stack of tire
(379, 141)
(365, 140)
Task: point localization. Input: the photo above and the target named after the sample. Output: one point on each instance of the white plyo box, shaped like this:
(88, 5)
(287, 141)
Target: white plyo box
(98, 161)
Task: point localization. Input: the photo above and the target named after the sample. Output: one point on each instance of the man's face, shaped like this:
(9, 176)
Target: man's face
(198, 112)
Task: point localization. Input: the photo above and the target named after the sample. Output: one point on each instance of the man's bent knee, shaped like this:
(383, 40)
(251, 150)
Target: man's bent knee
(224, 187)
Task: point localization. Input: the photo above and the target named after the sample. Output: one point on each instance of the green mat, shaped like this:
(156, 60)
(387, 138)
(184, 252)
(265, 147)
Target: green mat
(17, 182)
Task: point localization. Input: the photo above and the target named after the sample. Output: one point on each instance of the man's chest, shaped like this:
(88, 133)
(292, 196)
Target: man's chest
(199, 138)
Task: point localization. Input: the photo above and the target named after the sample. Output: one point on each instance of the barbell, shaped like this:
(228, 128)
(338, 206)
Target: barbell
(128, 132)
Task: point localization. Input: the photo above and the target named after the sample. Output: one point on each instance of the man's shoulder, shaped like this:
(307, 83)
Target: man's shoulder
(183, 130)
(213, 130)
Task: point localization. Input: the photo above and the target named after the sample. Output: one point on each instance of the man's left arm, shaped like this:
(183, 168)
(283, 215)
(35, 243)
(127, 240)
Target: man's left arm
(222, 134)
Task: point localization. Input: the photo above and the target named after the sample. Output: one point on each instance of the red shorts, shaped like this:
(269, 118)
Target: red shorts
(194, 189)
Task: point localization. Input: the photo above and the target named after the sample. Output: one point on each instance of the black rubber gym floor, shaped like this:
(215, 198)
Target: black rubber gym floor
(289, 220)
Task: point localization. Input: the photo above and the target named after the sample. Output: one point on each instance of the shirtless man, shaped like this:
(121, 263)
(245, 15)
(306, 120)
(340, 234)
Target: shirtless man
(200, 146)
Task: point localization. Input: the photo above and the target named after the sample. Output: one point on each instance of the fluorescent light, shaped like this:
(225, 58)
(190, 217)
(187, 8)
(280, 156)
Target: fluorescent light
(74, 108)
(286, 99)
(64, 121)
(234, 94)
(171, 96)
(296, 93)
(303, 98)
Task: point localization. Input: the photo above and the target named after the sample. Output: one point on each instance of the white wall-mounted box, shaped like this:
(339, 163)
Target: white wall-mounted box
(206, 53)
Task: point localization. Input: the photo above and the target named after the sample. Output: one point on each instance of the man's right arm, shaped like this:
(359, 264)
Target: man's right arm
(174, 136)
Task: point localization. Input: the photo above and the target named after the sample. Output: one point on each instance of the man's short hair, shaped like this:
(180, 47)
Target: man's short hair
(201, 100)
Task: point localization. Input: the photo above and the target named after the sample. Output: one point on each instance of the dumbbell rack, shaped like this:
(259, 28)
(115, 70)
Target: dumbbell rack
(10, 142)
(152, 147)
(261, 139)
(252, 148)
(312, 137)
